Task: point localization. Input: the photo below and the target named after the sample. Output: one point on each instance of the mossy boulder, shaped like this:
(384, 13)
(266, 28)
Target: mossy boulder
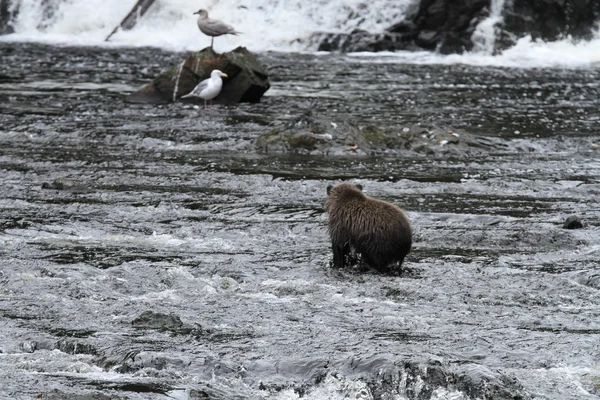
(313, 135)
(247, 80)
(310, 134)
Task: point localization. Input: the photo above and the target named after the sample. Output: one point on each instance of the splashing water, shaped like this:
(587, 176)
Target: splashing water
(484, 36)
(266, 25)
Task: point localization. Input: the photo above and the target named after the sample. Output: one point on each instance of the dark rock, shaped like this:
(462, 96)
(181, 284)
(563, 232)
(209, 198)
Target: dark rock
(406, 27)
(443, 25)
(60, 395)
(573, 222)
(360, 40)
(60, 184)
(75, 347)
(6, 17)
(154, 320)
(213, 393)
(548, 20)
(247, 81)
(30, 346)
(433, 14)
(310, 134)
(199, 395)
(447, 26)
(428, 39)
(66, 346)
(66, 184)
(421, 378)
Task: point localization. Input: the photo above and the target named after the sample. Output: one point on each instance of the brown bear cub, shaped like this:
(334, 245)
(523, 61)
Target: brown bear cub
(358, 224)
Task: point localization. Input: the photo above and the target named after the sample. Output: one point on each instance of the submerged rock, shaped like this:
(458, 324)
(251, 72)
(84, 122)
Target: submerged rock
(310, 134)
(361, 40)
(425, 379)
(67, 185)
(573, 222)
(56, 394)
(154, 320)
(247, 80)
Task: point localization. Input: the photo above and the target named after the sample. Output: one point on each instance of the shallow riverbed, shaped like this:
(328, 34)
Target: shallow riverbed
(177, 213)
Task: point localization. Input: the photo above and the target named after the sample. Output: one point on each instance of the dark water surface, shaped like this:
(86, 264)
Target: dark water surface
(179, 215)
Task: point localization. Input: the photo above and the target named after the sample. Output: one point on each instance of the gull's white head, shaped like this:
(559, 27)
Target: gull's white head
(202, 13)
(218, 74)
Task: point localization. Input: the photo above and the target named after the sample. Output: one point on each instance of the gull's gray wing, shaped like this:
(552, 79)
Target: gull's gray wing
(199, 88)
(214, 27)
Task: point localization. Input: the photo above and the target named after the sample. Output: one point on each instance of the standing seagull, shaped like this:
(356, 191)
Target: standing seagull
(209, 88)
(213, 27)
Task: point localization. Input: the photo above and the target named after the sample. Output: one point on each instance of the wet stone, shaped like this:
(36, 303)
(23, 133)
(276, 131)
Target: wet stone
(31, 346)
(209, 393)
(422, 380)
(309, 133)
(247, 79)
(573, 222)
(154, 320)
(74, 347)
(66, 184)
(60, 395)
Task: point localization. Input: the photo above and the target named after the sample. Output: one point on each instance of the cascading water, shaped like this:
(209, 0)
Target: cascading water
(485, 34)
(266, 25)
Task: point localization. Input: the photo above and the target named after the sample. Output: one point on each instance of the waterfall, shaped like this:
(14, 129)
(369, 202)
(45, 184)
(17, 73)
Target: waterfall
(284, 25)
(484, 37)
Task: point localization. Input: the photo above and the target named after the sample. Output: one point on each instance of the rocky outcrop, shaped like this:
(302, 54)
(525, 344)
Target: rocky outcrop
(310, 134)
(548, 20)
(442, 25)
(6, 16)
(447, 26)
(422, 379)
(155, 320)
(247, 80)
(360, 40)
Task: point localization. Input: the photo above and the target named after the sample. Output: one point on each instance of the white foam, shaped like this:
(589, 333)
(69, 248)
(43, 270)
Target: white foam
(171, 24)
(332, 388)
(527, 53)
(484, 36)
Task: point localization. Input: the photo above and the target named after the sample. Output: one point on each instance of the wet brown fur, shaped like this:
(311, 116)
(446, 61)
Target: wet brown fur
(377, 230)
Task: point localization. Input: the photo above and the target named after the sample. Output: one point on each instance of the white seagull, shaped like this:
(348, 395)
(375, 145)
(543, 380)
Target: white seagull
(213, 27)
(209, 88)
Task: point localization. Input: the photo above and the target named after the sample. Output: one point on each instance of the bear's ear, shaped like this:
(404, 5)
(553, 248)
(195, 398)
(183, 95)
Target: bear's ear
(359, 186)
(329, 187)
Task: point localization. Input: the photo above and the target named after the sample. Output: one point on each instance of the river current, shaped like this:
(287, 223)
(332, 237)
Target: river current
(186, 264)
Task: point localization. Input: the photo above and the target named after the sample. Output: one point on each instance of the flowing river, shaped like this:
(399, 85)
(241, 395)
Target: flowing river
(180, 262)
